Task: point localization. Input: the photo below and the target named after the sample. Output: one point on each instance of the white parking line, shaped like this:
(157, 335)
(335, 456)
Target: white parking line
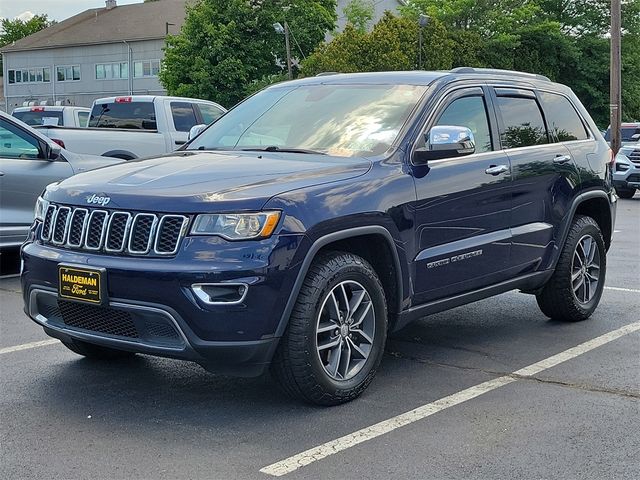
(26, 346)
(307, 457)
(620, 289)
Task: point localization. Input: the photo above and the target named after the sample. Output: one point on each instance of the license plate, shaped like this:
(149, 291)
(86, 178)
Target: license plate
(82, 284)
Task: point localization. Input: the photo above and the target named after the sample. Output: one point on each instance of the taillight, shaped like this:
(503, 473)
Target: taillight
(123, 100)
(59, 142)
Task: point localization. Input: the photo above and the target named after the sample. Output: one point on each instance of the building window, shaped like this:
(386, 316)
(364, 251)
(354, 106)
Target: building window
(32, 75)
(146, 68)
(68, 73)
(112, 71)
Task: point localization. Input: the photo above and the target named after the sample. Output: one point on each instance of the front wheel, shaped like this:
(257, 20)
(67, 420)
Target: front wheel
(625, 192)
(335, 339)
(574, 291)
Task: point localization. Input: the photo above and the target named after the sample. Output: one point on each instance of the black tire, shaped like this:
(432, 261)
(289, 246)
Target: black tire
(95, 352)
(297, 364)
(558, 300)
(625, 192)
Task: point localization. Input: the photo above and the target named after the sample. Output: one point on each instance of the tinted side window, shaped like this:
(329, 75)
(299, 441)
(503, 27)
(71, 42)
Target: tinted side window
(209, 112)
(183, 116)
(562, 118)
(469, 112)
(83, 118)
(16, 143)
(134, 115)
(523, 122)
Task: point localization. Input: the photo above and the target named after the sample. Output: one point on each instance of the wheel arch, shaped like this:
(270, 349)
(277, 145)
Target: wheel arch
(360, 241)
(597, 205)
(122, 154)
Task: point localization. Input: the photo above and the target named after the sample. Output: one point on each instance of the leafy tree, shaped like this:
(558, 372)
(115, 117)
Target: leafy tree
(13, 30)
(360, 13)
(225, 45)
(391, 45)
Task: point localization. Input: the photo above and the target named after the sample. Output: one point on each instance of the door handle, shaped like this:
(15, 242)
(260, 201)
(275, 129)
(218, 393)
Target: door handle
(496, 169)
(560, 159)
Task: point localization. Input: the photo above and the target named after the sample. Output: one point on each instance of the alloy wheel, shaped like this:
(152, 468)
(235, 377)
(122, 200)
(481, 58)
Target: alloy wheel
(585, 269)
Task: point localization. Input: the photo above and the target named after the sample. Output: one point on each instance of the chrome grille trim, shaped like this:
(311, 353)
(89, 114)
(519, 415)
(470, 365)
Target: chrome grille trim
(65, 228)
(82, 230)
(110, 232)
(103, 230)
(181, 234)
(151, 235)
(98, 226)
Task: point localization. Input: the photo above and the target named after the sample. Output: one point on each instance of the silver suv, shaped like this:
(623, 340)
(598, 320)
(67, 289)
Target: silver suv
(626, 174)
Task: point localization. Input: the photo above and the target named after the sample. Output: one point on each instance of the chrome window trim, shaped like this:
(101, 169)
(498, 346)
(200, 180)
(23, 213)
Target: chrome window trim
(152, 233)
(103, 230)
(181, 234)
(66, 227)
(124, 235)
(83, 229)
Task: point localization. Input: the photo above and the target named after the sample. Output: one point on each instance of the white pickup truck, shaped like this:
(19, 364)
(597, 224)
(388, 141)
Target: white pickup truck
(53, 115)
(136, 127)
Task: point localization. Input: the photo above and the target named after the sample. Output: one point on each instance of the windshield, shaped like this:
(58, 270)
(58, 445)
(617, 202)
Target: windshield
(341, 120)
(39, 117)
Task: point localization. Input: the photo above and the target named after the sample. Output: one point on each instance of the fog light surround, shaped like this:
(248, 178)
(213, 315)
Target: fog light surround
(220, 293)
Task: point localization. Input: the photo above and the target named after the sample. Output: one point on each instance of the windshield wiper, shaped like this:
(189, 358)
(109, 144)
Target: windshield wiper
(274, 148)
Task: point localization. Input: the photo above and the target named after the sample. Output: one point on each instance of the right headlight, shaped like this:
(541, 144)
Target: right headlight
(40, 208)
(236, 226)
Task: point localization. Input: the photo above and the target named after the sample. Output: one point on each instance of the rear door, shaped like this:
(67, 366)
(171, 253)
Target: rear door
(462, 213)
(544, 177)
(24, 173)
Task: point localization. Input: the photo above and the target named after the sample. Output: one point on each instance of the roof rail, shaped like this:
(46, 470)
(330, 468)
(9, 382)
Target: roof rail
(495, 71)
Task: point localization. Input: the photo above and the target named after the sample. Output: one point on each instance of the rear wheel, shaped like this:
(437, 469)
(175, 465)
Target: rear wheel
(95, 352)
(335, 339)
(574, 291)
(625, 192)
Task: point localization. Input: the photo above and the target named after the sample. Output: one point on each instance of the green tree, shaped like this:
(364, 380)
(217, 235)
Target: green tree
(225, 45)
(359, 13)
(391, 45)
(13, 30)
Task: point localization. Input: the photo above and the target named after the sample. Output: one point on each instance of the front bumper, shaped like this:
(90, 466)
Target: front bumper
(152, 309)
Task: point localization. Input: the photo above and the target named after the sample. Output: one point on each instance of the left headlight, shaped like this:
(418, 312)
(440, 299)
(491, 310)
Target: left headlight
(236, 226)
(41, 208)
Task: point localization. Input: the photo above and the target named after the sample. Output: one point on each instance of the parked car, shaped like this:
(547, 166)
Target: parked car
(626, 173)
(136, 127)
(29, 161)
(630, 133)
(322, 213)
(56, 116)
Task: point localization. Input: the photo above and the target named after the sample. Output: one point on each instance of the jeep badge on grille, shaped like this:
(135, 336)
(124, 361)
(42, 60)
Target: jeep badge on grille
(98, 200)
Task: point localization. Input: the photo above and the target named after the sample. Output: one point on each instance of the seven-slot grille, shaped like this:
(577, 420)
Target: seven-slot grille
(113, 231)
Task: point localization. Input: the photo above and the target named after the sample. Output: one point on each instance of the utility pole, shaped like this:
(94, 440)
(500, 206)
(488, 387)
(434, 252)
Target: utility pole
(423, 21)
(288, 46)
(615, 76)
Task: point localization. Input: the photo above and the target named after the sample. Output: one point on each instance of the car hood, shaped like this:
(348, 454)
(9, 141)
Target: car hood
(82, 163)
(186, 182)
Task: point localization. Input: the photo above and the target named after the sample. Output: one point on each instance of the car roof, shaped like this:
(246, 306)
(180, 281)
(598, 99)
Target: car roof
(49, 108)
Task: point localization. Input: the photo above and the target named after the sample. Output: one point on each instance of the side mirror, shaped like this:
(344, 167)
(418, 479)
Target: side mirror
(446, 141)
(54, 152)
(196, 130)
(635, 138)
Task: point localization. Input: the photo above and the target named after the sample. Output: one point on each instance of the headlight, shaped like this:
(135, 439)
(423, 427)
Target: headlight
(41, 208)
(236, 226)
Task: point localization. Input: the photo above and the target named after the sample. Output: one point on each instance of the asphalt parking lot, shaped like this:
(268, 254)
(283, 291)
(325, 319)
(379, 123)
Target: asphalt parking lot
(475, 411)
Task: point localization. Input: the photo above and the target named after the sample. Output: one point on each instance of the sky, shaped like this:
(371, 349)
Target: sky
(56, 9)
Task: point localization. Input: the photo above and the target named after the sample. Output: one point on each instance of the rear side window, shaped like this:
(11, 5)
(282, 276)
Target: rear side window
(209, 113)
(469, 112)
(83, 119)
(563, 120)
(133, 115)
(35, 118)
(523, 124)
(183, 116)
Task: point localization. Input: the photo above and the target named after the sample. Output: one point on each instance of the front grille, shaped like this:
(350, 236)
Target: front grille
(113, 232)
(98, 319)
(635, 156)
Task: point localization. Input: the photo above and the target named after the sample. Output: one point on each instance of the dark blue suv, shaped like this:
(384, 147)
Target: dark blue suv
(320, 214)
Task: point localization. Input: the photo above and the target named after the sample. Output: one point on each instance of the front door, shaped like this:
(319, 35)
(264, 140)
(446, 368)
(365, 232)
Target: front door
(24, 174)
(462, 213)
